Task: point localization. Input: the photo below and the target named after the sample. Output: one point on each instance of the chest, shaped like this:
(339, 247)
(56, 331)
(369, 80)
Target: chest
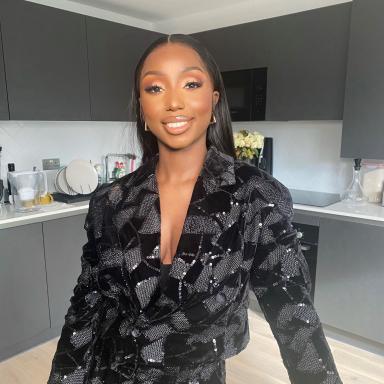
(174, 203)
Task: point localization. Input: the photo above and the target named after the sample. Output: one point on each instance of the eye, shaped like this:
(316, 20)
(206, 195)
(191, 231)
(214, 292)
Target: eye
(195, 84)
(152, 89)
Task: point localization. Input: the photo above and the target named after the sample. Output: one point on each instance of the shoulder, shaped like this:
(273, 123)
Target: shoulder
(262, 187)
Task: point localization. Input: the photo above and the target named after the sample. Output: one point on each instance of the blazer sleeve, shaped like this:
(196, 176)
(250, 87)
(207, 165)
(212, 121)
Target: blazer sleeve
(73, 356)
(281, 282)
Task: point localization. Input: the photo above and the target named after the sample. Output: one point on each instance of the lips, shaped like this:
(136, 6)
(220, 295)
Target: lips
(175, 125)
(176, 119)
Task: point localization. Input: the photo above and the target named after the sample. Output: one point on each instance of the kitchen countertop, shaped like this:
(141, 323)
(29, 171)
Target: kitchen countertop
(370, 213)
(10, 218)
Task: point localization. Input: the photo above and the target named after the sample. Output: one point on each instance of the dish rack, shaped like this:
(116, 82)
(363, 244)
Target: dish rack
(128, 159)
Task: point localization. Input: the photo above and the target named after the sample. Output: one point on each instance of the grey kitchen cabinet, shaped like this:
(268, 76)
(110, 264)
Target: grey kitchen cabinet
(113, 52)
(63, 241)
(362, 135)
(4, 112)
(349, 277)
(23, 287)
(305, 54)
(308, 64)
(45, 55)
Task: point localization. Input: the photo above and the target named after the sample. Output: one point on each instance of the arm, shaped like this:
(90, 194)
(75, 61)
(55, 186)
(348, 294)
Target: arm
(75, 346)
(281, 282)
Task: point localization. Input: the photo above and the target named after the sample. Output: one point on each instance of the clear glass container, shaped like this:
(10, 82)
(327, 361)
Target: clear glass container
(354, 194)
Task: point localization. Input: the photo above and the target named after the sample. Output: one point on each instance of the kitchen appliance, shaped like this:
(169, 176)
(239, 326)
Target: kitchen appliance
(308, 236)
(246, 91)
(317, 199)
(27, 188)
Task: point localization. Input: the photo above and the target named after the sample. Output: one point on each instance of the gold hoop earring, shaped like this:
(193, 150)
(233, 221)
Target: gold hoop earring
(213, 121)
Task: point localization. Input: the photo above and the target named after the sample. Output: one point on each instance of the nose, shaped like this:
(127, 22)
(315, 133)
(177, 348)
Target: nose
(174, 100)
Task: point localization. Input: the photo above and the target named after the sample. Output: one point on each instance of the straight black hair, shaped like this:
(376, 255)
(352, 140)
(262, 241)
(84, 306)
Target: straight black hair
(219, 134)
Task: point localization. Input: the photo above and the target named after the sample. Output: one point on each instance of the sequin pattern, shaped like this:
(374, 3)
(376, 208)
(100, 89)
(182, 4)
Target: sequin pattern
(123, 326)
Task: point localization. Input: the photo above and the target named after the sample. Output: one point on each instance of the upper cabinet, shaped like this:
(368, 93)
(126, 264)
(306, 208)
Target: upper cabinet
(308, 52)
(305, 54)
(364, 96)
(113, 51)
(4, 113)
(46, 66)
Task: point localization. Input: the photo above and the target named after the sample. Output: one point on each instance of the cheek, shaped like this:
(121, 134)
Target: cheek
(201, 104)
(150, 106)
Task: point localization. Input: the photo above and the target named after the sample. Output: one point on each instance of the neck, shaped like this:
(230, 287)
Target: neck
(177, 166)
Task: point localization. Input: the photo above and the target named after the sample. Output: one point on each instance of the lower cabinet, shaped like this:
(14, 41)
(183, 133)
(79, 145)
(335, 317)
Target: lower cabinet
(63, 242)
(24, 307)
(39, 267)
(349, 291)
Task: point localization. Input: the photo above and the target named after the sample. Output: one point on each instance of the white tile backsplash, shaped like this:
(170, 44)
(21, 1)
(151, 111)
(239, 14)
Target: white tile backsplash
(306, 153)
(26, 143)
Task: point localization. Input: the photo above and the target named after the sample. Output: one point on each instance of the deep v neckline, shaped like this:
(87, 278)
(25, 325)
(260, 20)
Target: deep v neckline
(160, 220)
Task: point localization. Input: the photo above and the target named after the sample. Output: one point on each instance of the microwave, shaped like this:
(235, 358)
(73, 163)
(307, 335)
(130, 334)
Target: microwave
(246, 91)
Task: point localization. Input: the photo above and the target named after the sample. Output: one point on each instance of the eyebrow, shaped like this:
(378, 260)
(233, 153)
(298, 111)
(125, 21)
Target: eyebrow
(162, 73)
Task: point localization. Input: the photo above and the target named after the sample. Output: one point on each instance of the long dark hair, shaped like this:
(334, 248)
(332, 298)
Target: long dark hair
(219, 134)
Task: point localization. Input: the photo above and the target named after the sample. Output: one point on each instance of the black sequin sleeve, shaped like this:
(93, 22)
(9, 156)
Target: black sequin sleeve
(281, 282)
(74, 352)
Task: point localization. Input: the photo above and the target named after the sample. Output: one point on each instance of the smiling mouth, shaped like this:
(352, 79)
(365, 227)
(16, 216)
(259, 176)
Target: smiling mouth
(178, 127)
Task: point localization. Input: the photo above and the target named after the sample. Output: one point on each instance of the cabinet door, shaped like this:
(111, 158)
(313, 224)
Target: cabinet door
(363, 120)
(4, 113)
(308, 64)
(46, 65)
(63, 241)
(305, 53)
(114, 50)
(23, 285)
(349, 278)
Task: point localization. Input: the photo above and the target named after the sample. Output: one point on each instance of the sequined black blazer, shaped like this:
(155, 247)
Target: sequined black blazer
(237, 236)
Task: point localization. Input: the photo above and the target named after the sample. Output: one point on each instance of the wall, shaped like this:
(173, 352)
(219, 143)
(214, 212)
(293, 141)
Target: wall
(26, 143)
(306, 154)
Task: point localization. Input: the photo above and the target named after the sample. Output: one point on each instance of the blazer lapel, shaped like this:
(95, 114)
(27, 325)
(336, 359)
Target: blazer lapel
(141, 238)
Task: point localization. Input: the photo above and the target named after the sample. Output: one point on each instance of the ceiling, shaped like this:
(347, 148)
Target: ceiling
(160, 10)
(157, 10)
(183, 16)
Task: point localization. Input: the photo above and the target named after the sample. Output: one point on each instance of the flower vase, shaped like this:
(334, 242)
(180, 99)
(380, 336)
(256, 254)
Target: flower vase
(254, 161)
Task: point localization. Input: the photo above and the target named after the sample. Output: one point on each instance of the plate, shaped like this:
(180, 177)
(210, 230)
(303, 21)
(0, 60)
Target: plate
(81, 176)
(61, 183)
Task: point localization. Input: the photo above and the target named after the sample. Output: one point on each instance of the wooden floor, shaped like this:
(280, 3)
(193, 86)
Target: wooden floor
(260, 362)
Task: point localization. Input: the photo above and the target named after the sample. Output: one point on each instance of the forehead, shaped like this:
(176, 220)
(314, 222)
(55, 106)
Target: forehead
(171, 56)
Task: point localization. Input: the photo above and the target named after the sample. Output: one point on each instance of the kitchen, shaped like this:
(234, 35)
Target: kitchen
(63, 96)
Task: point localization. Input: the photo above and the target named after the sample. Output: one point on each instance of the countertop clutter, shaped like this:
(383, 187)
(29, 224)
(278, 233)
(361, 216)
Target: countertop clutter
(370, 213)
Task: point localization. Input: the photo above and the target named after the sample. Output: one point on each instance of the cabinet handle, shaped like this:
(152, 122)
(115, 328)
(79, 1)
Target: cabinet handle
(305, 247)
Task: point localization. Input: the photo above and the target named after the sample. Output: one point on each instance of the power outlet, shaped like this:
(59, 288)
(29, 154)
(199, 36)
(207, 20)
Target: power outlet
(51, 164)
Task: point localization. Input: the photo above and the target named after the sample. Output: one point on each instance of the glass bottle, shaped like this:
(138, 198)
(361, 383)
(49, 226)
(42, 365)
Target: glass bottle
(354, 194)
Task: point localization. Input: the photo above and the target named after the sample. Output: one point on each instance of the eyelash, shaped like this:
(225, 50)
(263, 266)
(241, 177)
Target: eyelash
(149, 89)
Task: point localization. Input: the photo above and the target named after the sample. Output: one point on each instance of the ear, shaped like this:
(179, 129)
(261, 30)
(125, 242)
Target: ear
(216, 96)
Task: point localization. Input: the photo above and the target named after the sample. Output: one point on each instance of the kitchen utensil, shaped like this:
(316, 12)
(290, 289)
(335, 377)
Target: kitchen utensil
(81, 176)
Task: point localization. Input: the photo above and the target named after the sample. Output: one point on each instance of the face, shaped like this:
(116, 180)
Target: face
(176, 95)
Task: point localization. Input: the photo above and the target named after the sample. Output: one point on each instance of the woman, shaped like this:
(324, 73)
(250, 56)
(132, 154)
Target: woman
(171, 308)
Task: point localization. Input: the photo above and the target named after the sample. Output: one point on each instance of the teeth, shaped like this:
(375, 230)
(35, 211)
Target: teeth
(176, 125)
